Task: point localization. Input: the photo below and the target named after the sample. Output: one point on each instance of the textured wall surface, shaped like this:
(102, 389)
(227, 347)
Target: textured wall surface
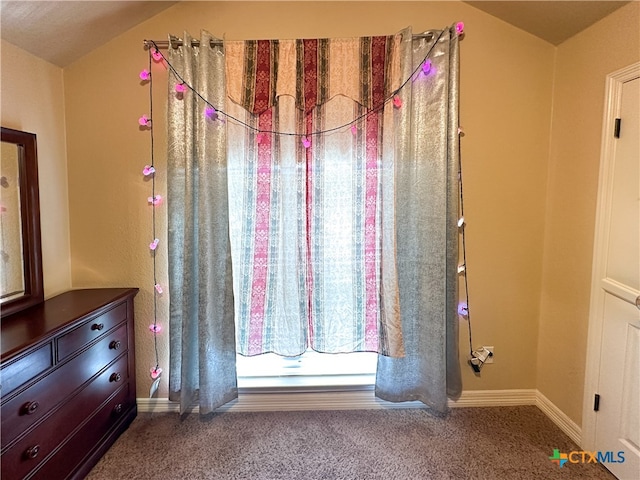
(33, 101)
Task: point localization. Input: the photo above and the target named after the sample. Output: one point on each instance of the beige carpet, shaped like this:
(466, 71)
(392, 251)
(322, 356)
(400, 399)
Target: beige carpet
(469, 443)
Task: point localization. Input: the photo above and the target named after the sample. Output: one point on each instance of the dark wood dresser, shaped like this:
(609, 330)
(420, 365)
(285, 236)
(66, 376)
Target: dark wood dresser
(68, 386)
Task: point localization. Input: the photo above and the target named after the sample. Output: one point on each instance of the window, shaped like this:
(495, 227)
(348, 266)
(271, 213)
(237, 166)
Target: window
(311, 369)
(311, 180)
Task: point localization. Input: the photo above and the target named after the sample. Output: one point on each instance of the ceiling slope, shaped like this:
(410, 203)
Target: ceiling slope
(62, 32)
(552, 21)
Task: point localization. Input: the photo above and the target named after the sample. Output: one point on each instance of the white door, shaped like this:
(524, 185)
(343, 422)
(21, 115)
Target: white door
(615, 412)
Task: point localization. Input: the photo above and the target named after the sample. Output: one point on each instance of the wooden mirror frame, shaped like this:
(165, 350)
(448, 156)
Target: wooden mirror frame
(30, 214)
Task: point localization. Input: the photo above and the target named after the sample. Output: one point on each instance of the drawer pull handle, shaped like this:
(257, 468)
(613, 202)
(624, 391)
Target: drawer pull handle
(115, 377)
(97, 326)
(30, 407)
(114, 345)
(32, 452)
(118, 408)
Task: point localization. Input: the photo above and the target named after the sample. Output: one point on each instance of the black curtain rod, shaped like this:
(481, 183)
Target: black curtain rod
(176, 42)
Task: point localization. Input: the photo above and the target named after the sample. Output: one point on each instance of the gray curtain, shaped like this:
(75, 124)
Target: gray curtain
(427, 156)
(202, 332)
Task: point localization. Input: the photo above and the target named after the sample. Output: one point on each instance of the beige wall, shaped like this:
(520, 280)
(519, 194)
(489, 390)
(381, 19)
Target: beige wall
(506, 83)
(582, 64)
(33, 101)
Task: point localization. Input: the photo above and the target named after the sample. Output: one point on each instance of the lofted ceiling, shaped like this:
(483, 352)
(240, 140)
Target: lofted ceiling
(63, 31)
(553, 21)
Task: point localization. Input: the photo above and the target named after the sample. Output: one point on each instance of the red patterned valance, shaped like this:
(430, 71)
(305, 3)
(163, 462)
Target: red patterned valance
(312, 71)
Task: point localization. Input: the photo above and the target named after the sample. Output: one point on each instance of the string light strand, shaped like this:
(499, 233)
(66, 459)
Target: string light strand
(151, 172)
(461, 225)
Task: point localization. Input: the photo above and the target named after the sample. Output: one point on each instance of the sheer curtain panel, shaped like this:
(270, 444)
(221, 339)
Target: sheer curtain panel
(202, 332)
(312, 194)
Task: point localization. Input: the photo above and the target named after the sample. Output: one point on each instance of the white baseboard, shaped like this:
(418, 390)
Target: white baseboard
(364, 399)
(495, 398)
(356, 399)
(557, 416)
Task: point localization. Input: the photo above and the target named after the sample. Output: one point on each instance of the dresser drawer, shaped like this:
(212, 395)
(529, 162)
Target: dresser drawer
(89, 331)
(32, 449)
(25, 368)
(24, 410)
(85, 440)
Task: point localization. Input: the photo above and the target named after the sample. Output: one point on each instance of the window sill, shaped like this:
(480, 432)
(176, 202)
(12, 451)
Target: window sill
(305, 383)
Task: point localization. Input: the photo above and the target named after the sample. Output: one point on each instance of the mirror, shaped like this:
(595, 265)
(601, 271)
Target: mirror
(21, 284)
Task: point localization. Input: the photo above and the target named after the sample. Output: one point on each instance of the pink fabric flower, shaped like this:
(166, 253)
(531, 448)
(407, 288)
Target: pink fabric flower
(210, 113)
(157, 200)
(155, 328)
